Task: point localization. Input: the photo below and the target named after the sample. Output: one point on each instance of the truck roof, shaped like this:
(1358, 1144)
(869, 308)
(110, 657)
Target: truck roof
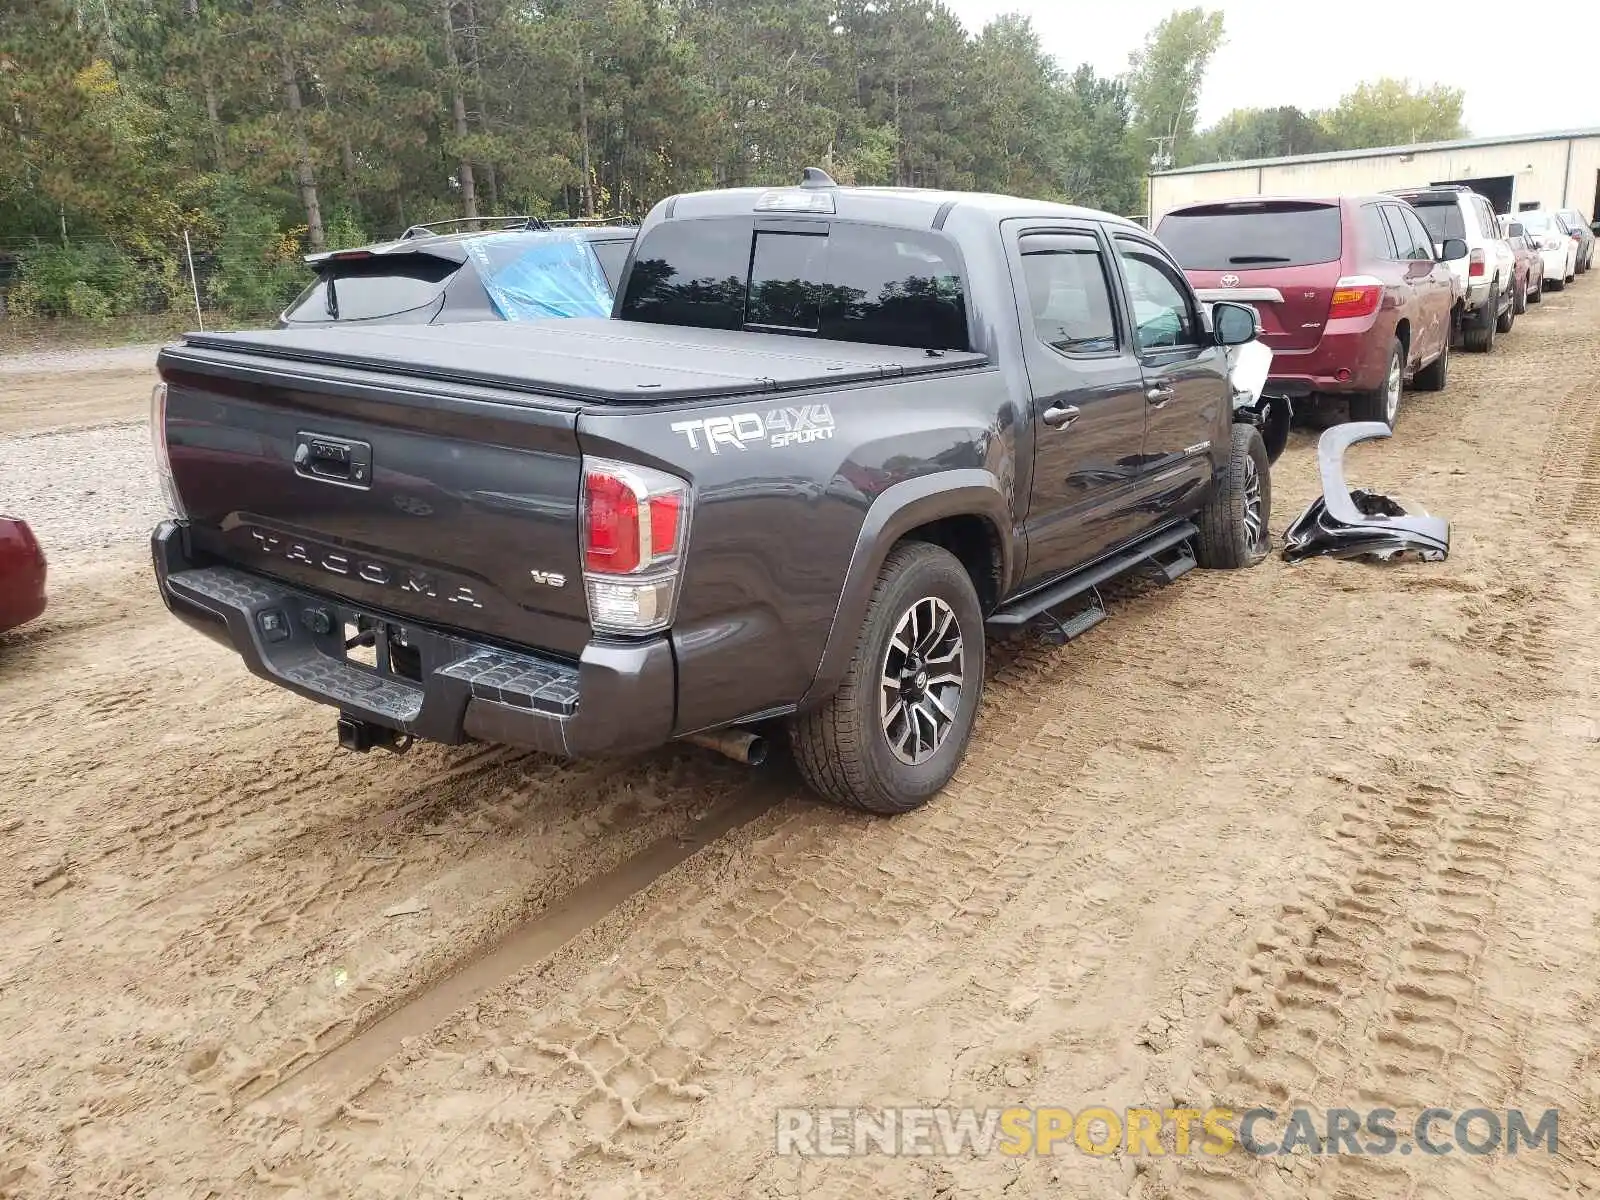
(925, 208)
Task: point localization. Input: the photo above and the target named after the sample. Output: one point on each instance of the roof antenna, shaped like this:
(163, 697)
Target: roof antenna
(816, 177)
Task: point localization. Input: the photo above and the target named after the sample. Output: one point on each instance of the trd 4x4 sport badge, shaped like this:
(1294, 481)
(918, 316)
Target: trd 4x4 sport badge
(778, 428)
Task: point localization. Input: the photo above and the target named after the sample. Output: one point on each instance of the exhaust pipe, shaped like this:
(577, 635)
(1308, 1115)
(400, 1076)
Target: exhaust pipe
(738, 744)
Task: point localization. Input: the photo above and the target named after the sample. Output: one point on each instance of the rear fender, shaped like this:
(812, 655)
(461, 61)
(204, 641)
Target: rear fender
(897, 511)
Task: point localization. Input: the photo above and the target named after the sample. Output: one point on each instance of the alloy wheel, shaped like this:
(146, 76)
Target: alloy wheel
(1254, 527)
(1391, 391)
(920, 681)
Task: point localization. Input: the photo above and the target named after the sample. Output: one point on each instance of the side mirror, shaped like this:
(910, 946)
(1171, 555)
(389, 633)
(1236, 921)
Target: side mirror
(1453, 250)
(1233, 324)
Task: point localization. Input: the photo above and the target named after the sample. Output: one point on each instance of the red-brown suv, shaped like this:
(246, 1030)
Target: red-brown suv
(1354, 301)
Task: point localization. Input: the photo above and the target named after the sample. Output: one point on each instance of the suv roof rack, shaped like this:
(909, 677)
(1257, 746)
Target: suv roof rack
(434, 228)
(1428, 187)
(568, 222)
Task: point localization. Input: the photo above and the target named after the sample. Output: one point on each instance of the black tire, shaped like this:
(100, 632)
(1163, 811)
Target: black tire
(1507, 319)
(1478, 336)
(841, 748)
(1436, 375)
(1555, 285)
(1226, 540)
(1519, 299)
(1383, 403)
(1537, 295)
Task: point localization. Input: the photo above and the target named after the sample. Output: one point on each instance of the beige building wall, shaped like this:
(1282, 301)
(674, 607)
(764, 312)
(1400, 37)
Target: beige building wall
(1542, 171)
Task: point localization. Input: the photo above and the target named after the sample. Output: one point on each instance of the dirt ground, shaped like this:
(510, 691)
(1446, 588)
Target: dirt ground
(31, 401)
(1324, 835)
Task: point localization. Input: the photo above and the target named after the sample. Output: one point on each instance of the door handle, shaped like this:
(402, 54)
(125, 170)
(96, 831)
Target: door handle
(1059, 416)
(1158, 394)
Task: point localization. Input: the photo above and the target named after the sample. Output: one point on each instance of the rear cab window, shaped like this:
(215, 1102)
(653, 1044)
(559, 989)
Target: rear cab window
(883, 285)
(1253, 235)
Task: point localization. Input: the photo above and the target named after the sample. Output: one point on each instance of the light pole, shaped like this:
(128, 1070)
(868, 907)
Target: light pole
(1160, 160)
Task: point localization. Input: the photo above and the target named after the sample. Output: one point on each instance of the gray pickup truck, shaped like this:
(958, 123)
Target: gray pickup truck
(830, 440)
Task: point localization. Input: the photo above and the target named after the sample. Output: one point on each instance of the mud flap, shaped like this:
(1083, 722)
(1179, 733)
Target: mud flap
(1357, 524)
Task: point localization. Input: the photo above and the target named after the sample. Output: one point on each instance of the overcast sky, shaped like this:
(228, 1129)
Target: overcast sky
(1278, 52)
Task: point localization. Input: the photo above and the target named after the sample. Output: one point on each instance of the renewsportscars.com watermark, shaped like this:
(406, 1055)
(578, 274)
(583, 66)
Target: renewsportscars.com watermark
(1100, 1130)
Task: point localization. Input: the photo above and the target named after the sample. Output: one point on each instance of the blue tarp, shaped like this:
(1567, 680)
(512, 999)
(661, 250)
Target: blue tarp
(535, 276)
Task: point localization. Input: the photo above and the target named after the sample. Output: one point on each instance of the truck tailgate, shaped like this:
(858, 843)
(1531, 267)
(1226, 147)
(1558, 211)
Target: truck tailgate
(453, 506)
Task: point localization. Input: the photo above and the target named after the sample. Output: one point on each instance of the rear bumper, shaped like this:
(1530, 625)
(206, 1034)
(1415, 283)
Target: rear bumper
(1477, 293)
(1555, 263)
(22, 597)
(618, 698)
(22, 575)
(1363, 356)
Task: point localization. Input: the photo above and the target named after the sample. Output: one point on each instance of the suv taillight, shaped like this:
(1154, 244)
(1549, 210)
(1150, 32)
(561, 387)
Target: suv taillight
(1355, 296)
(634, 524)
(1475, 263)
(158, 438)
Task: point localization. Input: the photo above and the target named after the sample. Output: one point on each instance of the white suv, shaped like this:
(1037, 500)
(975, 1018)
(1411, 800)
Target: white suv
(1485, 279)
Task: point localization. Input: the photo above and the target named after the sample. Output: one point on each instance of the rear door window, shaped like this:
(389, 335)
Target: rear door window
(1376, 228)
(1490, 227)
(858, 283)
(1421, 240)
(1411, 239)
(1069, 293)
(1253, 235)
(366, 288)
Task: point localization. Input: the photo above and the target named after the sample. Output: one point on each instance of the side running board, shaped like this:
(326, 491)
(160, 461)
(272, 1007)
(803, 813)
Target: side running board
(1164, 552)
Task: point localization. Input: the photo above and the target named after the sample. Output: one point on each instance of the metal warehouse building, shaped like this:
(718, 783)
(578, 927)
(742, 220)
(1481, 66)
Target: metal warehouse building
(1550, 170)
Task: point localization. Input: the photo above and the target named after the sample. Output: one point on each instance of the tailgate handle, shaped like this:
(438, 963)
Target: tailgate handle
(333, 460)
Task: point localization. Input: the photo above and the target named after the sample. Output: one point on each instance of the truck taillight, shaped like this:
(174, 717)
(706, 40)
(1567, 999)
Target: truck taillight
(634, 524)
(1355, 296)
(1476, 264)
(158, 439)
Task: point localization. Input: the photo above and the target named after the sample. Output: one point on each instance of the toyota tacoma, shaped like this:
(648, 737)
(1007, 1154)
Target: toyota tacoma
(828, 442)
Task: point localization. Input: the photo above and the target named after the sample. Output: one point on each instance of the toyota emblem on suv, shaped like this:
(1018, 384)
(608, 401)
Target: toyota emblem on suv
(1229, 281)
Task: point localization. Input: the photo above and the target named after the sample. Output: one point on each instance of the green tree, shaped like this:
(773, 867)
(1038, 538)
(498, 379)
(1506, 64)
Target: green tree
(1262, 133)
(1099, 164)
(1391, 112)
(1014, 117)
(1165, 76)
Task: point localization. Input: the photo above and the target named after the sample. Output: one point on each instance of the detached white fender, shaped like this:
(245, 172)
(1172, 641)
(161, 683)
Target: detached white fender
(1248, 366)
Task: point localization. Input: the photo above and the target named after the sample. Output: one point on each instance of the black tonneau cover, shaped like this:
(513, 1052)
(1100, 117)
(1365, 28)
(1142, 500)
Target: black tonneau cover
(594, 359)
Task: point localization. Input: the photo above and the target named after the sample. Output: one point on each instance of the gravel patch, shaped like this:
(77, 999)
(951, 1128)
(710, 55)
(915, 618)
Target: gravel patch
(82, 491)
(108, 358)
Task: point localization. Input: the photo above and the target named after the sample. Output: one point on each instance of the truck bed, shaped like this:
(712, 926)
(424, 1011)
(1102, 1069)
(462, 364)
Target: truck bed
(593, 360)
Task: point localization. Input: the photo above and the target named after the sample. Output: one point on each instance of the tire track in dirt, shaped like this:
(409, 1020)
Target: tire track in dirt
(1369, 991)
(503, 841)
(609, 1071)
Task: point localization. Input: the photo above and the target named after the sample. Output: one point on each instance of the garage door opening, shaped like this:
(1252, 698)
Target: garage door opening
(1495, 189)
